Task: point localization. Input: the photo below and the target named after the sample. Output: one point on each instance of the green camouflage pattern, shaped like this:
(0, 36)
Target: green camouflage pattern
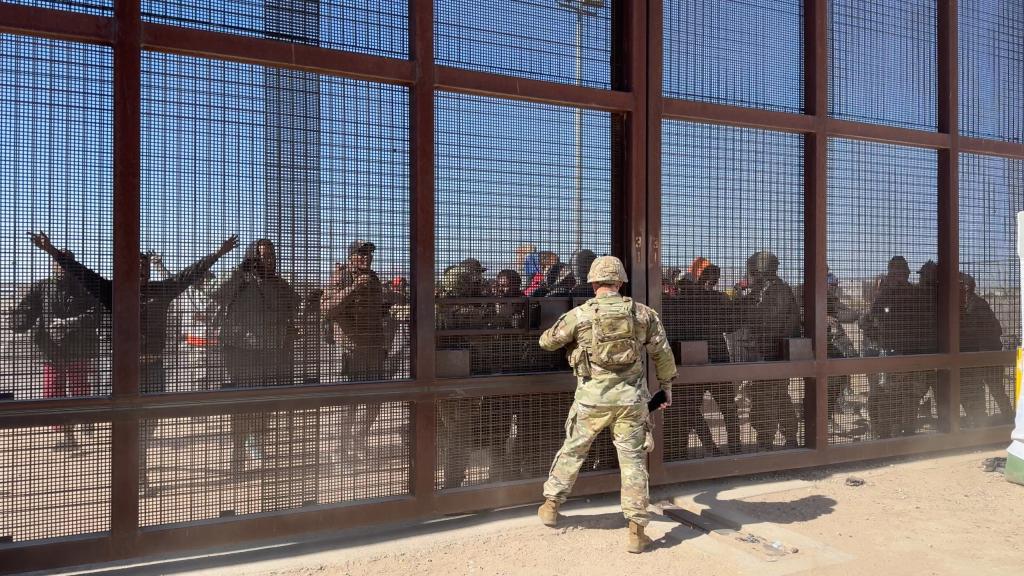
(596, 386)
(607, 269)
(629, 427)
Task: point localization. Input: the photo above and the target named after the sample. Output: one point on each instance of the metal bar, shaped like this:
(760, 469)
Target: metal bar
(737, 372)
(472, 499)
(866, 365)
(887, 134)
(421, 39)
(713, 113)
(991, 147)
(653, 51)
(56, 24)
(816, 218)
(489, 84)
(126, 319)
(50, 555)
(266, 52)
(948, 392)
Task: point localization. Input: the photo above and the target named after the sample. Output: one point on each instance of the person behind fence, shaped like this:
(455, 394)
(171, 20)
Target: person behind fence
(839, 344)
(897, 323)
(980, 331)
(354, 309)
(703, 314)
(257, 316)
(605, 340)
(767, 314)
(579, 264)
(63, 319)
(155, 301)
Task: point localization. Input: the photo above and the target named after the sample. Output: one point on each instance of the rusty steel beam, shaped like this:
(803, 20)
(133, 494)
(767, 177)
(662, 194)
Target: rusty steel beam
(948, 391)
(991, 147)
(126, 319)
(713, 113)
(886, 134)
(422, 328)
(499, 86)
(816, 216)
(275, 53)
(654, 53)
(56, 24)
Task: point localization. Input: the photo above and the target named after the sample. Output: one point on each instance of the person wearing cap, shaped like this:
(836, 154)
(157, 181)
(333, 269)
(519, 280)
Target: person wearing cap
(605, 338)
(354, 308)
(769, 313)
(980, 331)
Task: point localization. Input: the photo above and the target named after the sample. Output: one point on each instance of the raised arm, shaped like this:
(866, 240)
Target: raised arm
(97, 286)
(189, 276)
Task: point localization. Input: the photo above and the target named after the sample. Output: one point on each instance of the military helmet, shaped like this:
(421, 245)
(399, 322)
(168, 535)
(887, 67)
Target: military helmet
(607, 269)
(763, 262)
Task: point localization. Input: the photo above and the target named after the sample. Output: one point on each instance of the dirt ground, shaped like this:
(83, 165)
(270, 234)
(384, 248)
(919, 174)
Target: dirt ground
(921, 516)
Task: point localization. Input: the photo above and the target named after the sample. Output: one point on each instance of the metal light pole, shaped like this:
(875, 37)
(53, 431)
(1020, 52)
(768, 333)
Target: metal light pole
(581, 8)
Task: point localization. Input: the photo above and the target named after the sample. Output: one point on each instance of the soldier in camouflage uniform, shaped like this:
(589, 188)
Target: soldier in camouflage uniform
(605, 338)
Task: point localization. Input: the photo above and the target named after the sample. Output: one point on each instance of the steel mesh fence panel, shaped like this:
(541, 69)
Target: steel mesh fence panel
(882, 227)
(732, 217)
(50, 489)
(739, 52)
(991, 64)
(566, 41)
(234, 464)
(729, 418)
(864, 407)
(377, 27)
(523, 207)
(883, 62)
(96, 7)
(991, 194)
(55, 178)
(987, 396)
(311, 174)
(501, 438)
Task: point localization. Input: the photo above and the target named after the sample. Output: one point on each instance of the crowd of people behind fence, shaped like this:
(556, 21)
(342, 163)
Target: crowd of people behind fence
(261, 320)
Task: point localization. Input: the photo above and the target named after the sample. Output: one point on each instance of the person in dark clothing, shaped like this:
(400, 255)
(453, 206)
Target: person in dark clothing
(704, 314)
(353, 305)
(839, 344)
(155, 300)
(980, 331)
(579, 264)
(558, 281)
(767, 314)
(63, 319)
(257, 334)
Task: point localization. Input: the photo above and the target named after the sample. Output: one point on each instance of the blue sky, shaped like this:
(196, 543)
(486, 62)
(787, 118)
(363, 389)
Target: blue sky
(506, 171)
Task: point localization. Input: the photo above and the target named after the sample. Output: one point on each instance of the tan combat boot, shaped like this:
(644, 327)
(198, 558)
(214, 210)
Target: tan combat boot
(638, 542)
(548, 513)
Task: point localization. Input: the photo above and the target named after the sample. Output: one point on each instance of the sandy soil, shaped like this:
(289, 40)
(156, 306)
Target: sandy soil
(915, 517)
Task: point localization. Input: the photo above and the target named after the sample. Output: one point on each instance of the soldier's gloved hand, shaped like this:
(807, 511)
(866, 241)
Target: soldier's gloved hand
(668, 400)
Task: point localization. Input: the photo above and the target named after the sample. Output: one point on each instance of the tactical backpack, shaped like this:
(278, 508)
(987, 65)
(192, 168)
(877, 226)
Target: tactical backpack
(615, 343)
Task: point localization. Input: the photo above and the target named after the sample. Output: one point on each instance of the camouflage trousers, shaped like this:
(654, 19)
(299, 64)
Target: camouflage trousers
(629, 431)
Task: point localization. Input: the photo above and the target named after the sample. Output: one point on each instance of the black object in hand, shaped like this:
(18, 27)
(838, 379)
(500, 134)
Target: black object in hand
(656, 401)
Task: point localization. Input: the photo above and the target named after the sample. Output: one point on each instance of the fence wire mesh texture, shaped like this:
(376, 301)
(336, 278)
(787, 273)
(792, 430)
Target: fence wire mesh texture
(732, 239)
(243, 463)
(354, 219)
(882, 230)
(523, 208)
(991, 69)
(879, 406)
(729, 418)
(308, 176)
(502, 438)
(735, 52)
(991, 194)
(56, 481)
(528, 38)
(377, 27)
(883, 62)
(55, 177)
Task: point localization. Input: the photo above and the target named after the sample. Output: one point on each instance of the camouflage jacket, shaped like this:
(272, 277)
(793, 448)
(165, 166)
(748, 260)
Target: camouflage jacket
(602, 387)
